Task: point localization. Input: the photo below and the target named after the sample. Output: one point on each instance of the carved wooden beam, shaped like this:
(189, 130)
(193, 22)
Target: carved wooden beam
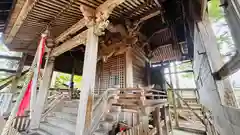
(20, 19)
(69, 44)
(100, 15)
(105, 9)
(72, 30)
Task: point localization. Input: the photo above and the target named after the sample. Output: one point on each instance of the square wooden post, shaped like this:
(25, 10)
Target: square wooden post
(88, 83)
(18, 74)
(129, 68)
(173, 98)
(157, 120)
(42, 95)
(166, 118)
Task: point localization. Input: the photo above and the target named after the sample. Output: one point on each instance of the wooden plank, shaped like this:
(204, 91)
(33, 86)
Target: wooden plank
(28, 5)
(69, 44)
(42, 95)
(72, 30)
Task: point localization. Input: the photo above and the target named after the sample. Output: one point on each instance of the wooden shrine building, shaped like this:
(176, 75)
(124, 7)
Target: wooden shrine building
(113, 45)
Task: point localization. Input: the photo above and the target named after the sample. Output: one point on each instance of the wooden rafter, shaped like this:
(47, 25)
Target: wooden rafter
(102, 13)
(76, 27)
(28, 5)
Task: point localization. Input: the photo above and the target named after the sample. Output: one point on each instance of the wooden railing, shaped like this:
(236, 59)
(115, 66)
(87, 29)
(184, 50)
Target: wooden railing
(147, 100)
(21, 123)
(52, 102)
(13, 131)
(101, 106)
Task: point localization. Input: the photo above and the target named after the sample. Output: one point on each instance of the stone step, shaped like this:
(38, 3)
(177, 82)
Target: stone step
(115, 109)
(107, 125)
(70, 110)
(42, 132)
(71, 103)
(112, 116)
(62, 123)
(54, 130)
(66, 116)
(100, 132)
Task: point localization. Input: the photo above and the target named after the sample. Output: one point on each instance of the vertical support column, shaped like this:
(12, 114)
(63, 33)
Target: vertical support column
(170, 118)
(145, 121)
(173, 99)
(88, 82)
(19, 72)
(148, 72)
(177, 83)
(42, 95)
(71, 86)
(157, 120)
(129, 68)
(166, 118)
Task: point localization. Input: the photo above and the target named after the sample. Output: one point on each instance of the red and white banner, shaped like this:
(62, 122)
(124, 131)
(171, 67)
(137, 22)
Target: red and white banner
(32, 85)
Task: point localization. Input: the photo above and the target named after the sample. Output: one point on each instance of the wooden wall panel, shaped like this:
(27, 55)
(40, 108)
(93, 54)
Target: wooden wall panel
(139, 71)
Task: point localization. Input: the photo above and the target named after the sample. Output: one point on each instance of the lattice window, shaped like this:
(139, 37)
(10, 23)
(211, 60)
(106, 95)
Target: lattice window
(113, 72)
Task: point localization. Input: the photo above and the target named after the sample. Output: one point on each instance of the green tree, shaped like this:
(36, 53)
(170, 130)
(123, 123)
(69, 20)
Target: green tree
(220, 27)
(63, 80)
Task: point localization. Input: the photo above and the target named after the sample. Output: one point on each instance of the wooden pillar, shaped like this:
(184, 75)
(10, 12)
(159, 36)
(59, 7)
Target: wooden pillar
(71, 86)
(169, 118)
(145, 121)
(173, 99)
(88, 83)
(148, 73)
(166, 118)
(157, 120)
(42, 95)
(177, 82)
(18, 73)
(129, 68)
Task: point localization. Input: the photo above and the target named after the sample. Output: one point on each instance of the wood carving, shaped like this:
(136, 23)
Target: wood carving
(103, 11)
(89, 15)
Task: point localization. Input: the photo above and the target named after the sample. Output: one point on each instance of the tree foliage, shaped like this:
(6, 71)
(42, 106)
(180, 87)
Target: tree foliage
(220, 27)
(63, 80)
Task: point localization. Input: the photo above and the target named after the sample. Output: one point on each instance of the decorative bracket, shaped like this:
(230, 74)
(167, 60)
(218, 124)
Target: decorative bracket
(98, 18)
